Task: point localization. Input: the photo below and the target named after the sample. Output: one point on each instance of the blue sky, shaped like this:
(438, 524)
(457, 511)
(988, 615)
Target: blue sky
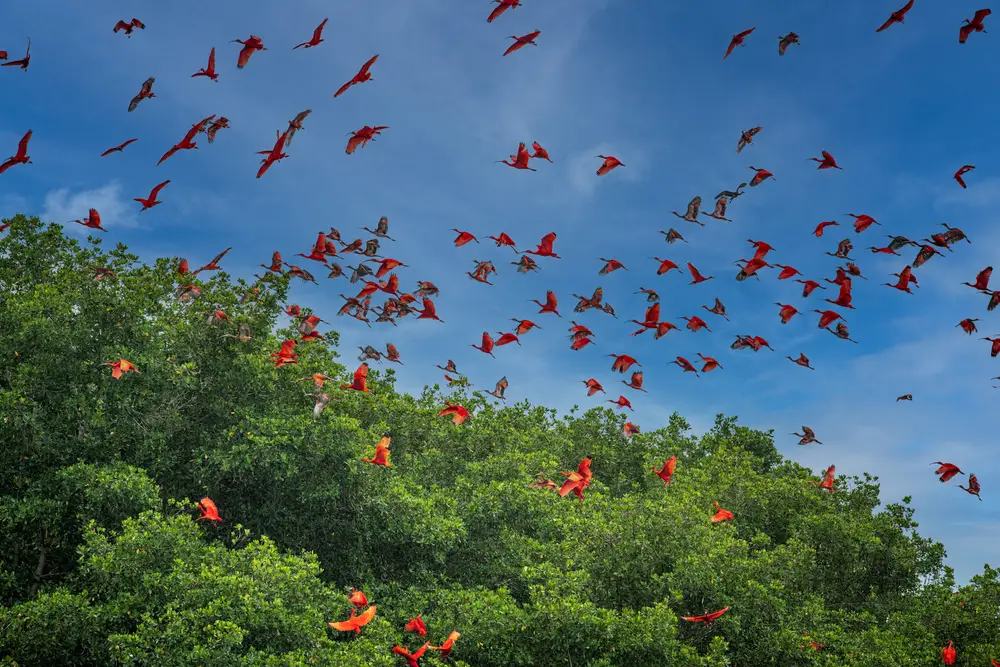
(901, 111)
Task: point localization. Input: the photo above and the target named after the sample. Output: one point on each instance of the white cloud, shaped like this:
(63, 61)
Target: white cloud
(582, 166)
(983, 193)
(62, 206)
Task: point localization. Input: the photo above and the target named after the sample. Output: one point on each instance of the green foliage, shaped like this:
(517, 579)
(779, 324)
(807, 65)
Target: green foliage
(99, 565)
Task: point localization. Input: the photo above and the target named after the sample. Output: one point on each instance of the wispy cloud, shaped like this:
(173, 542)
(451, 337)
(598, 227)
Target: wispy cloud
(981, 193)
(62, 206)
(583, 165)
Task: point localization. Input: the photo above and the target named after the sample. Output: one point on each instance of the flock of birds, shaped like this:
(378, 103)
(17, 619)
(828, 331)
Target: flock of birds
(375, 272)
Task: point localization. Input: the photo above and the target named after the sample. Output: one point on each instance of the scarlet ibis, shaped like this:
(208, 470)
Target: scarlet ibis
(610, 162)
(738, 41)
(961, 172)
(362, 76)
(897, 16)
(975, 25)
(786, 41)
(316, 38)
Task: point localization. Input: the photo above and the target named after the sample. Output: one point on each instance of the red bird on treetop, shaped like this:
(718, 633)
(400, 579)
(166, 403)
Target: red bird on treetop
(946, 470)
(578, 480)
(209, 510)
(359, 381)
(948, 654)
(446, 647)
(667, 471)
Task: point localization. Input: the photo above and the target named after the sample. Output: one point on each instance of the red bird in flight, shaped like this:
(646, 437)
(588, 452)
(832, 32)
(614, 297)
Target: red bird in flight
(520, 160)
(362, 76)
(827, 162)
(187, 143)
(93, 220)
(540, 152)
(501, 8)
(696, 276)
(705, 618)
(823, 225)
(26, 60)
(145, 93)
(316, 38)
(738, 41)
(544, 248)
(975, 25)
(118, 148)
(897, 16)
(129, 26)
(252, 44)
(961, 172)
(210, 70)
(610, 163)
(360, 138)
(273, 155)
(21, 157)
(151, 201)
(522, 41)
(786, 41)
